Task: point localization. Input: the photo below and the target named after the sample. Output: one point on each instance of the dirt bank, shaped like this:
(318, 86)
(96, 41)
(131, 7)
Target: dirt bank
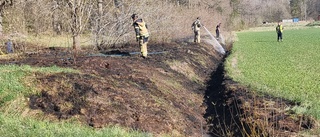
(162, 94)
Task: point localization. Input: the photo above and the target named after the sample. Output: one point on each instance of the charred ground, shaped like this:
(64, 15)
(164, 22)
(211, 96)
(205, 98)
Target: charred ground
(171, 92)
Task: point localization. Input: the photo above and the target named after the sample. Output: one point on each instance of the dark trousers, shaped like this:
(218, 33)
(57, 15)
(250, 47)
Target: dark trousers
(279, 36)
(197, 36)
(217, 33)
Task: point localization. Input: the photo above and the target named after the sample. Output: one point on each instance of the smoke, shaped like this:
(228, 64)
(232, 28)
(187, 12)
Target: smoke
(216, 45)
(221, 39)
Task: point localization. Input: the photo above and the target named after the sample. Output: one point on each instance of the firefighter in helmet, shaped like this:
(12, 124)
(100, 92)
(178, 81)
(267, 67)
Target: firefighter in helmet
(142, 34)
(196, 28)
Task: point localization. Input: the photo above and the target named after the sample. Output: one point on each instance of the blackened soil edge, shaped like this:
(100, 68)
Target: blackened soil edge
(223, 113)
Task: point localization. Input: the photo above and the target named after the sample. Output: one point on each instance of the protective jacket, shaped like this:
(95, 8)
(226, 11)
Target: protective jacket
(196, 25)
(140, 28)
(279, 29)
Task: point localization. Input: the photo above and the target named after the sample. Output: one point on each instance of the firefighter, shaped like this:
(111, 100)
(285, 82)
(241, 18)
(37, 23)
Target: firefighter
(196, 25)
(142, 34)
(218, 31)
(279, 30)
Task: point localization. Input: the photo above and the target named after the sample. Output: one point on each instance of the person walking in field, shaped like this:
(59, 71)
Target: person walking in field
(142, 34)
(218, 31)
(279, 30)
(196, 25)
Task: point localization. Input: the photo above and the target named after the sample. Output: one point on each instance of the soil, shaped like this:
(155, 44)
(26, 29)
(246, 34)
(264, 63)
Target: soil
(179, 90)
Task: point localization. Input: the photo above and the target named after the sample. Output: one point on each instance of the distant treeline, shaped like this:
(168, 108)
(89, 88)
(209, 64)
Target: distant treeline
(108, 21)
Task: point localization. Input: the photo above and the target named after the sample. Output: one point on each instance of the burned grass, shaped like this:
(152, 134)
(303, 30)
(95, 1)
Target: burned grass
(156, 94)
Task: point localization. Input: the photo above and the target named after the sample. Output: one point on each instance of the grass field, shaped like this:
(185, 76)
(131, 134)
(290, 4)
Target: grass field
(288, 69)
(15, 88)
(22, 127)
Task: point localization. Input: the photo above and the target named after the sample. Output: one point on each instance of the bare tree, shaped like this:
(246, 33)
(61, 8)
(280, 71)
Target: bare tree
(110, 22)
(97, 31)
(80, 11)
(37, 16)
(56, 17)
(313, 8)
(3, 3)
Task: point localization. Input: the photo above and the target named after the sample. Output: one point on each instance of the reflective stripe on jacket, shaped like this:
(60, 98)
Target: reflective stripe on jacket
(141, 28)
(279, 28)
(196, 25)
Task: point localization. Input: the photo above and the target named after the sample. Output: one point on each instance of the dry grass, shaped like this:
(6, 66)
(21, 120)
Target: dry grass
(185, 69)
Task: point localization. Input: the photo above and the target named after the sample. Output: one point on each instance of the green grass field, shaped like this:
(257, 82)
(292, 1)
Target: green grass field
(288, 69)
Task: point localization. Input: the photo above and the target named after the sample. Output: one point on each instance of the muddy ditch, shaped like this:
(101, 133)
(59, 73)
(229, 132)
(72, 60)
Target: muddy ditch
(234, 111)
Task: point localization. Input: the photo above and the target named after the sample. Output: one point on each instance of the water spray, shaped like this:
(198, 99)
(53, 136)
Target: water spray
(216, 45)
(221, 40)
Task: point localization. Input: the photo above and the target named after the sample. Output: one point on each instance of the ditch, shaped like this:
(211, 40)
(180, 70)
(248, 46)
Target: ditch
(233, 111)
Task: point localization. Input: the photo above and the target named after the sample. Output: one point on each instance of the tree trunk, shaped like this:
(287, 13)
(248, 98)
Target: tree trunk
(56, 23)
(2, 4)
(0, 23)
(76, 24)
(98, 29)
(76, 42)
